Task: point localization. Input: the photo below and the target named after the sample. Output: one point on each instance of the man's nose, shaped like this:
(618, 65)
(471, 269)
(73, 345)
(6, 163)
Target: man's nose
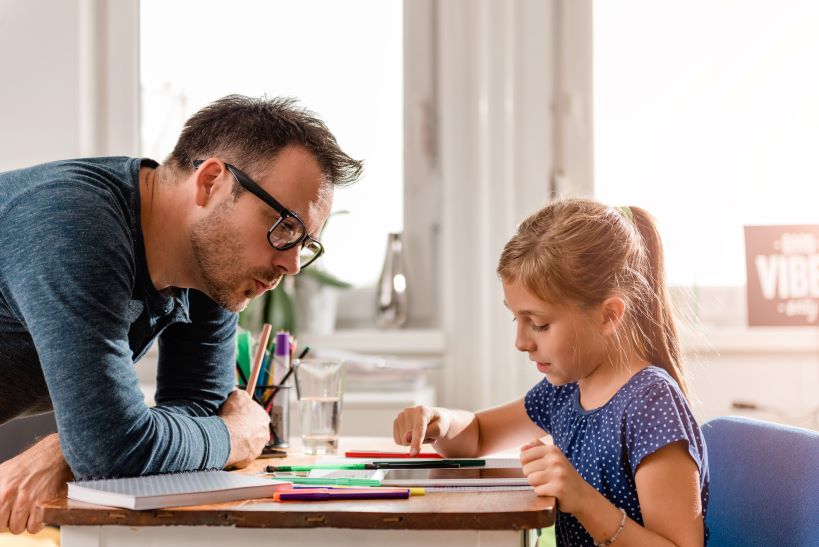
(287, 261)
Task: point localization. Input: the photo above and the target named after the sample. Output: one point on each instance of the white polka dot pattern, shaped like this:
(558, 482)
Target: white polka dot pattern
(607, 444)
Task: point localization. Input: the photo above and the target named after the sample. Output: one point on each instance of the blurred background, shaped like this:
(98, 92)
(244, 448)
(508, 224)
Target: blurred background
(470, 115)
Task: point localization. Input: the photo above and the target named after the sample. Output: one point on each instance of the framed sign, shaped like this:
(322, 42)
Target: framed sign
(782, 263)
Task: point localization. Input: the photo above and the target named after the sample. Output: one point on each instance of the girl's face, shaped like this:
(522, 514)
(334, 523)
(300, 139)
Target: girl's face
(563, 341)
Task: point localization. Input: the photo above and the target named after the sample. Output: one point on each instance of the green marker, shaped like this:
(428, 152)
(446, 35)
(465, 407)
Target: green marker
(331, 482)
(243, 352)
(340, 466)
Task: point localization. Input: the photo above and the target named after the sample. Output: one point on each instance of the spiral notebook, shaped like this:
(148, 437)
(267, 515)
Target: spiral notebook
(174, 489)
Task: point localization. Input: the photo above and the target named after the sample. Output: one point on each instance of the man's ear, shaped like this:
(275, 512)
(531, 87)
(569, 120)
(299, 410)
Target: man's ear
(612, 311)
(207, 179)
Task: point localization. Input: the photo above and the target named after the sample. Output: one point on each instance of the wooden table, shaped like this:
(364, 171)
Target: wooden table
(451, 519)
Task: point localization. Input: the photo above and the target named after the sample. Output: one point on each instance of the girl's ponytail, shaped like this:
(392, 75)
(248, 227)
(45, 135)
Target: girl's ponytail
(657, 324)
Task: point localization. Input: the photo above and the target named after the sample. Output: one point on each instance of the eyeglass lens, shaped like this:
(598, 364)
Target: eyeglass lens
(308, 252)
(286, 232)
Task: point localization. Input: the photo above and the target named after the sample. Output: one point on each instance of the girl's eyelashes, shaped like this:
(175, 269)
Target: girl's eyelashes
(536, 328)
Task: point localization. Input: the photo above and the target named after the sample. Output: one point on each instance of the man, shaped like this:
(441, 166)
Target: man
(99, 257)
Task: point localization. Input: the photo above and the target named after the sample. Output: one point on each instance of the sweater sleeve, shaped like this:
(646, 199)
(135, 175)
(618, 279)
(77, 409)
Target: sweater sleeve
(68, 271)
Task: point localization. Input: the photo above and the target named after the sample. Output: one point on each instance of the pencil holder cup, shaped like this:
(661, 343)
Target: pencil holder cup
(278, 408)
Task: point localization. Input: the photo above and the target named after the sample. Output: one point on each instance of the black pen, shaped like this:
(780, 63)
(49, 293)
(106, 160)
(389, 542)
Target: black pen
(242, 377)
(415, 465)
(293, 366)
(348, 466)
(430, 464)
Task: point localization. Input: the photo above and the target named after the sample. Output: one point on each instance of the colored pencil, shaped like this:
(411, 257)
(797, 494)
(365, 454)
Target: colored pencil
(257, 360)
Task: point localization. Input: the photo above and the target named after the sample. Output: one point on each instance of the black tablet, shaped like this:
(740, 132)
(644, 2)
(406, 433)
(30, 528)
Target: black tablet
(464, 476)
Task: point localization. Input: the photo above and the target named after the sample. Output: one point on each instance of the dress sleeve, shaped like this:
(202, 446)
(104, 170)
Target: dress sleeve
(539, 402)
(656, 418)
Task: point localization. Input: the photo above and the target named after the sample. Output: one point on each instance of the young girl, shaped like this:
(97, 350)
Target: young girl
(585, 285)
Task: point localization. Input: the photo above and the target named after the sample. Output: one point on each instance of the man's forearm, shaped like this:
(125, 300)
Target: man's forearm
(157, 441)
(49, 452)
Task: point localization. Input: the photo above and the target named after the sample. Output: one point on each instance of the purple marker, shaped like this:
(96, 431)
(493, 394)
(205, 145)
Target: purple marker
(341, 494)
(281, 359)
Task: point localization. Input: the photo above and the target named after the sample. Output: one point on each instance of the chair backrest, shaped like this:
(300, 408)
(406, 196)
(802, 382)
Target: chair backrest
(764, 483)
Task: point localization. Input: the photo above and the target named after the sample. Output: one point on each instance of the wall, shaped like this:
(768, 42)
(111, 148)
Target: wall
(40, 94)
(71, 80)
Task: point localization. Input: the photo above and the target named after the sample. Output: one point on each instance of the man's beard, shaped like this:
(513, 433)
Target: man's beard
(217, 246)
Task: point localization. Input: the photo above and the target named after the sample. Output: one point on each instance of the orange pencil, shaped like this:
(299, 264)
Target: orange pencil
(257, 360)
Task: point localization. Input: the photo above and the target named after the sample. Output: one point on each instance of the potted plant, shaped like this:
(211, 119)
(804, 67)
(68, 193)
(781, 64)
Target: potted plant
(304, 303)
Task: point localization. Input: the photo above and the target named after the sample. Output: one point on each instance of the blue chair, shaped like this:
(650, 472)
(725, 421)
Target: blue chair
(764, 483)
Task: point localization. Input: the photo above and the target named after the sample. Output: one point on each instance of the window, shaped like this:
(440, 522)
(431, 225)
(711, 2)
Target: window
(706, 113)
(343, 60)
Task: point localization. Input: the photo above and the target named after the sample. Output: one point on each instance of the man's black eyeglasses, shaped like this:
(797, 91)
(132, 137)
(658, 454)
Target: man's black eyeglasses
(288, 230)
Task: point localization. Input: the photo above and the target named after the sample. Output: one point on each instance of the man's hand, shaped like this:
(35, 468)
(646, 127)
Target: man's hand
(249, 428)
(39, 474)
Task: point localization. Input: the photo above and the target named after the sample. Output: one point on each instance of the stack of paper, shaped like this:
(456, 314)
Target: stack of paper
(172, 490)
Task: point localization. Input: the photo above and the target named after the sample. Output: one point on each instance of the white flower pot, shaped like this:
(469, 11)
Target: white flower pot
(316, 306)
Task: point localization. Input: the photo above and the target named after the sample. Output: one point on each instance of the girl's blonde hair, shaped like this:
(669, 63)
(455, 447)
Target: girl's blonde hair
(579, 251)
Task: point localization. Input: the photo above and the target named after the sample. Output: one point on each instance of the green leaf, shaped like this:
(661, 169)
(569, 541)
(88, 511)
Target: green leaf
(275, 307)
(252, 317)
(280, 311)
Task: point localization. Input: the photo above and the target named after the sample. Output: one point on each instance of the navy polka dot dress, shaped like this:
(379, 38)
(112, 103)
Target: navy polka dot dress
(607, 444)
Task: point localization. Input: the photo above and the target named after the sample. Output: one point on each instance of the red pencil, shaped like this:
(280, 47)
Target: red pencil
(378, 454)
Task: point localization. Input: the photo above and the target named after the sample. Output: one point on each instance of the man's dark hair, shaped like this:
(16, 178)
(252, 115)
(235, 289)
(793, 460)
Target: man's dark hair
(250, 132)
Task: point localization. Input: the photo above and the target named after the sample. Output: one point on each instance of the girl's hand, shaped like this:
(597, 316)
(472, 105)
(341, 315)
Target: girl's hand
(551, 474)
(419, 424)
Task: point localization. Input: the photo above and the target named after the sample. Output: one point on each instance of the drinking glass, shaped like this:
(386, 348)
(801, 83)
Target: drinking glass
(320, 387)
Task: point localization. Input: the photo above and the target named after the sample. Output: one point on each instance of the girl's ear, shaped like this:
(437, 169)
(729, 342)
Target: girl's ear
(612, 310)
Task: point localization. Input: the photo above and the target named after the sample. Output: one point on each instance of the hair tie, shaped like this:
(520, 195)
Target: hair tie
(625, 210)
